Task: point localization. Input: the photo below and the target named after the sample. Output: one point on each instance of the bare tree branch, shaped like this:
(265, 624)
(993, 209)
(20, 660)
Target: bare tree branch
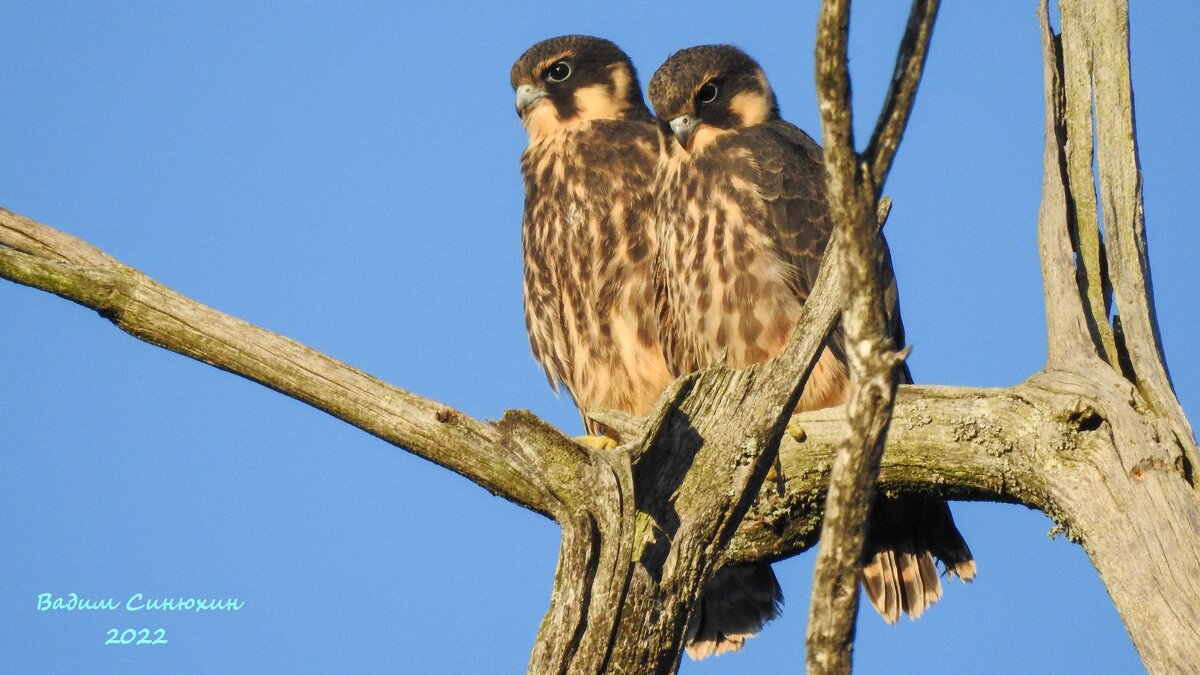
(1077, 446)
(1090, 70)
(45, 258)
(1096, 44)
(853, 185)
(1047, 443)
(1066, 318)
(910, 62)
(1082, 217)
(1086, 70)
(700, 463)
(29, 236)
(830, 636)
(833, 100)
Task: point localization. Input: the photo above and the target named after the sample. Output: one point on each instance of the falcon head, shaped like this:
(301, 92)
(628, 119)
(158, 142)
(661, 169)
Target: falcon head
(568, 80)
(702, 92)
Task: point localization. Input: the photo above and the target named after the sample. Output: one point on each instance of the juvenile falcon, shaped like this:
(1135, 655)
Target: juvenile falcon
(589, 244)
(588, 232)
(743, 224)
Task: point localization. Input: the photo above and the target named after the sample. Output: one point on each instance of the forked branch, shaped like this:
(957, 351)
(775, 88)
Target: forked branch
(853, 186)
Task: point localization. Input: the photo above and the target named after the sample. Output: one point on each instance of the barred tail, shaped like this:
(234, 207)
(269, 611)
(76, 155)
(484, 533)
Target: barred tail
(906, 534)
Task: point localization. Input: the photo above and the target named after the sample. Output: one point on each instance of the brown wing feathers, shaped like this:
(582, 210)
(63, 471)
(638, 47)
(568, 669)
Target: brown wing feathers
(630, 281)
(766, 177)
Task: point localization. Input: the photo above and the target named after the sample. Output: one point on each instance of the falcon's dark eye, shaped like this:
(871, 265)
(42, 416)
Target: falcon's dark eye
(558, 72)
(707, 94)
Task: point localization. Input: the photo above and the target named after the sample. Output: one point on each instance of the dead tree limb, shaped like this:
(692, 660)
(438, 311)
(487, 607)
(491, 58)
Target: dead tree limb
(1101, 465)
(643, 528)
(853, 185)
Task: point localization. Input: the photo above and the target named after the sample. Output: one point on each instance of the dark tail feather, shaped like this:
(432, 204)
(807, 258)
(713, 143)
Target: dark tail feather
(906, 534)
(735, 605)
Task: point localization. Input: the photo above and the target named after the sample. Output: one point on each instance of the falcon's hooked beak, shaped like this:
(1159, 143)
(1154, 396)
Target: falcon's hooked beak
(684, 126)
(527, 96)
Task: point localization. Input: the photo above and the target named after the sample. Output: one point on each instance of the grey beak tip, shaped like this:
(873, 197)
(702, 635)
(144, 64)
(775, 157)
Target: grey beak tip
(683, 126)
(527, 95)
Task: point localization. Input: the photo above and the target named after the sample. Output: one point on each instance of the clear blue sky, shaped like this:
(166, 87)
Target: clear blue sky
(348, 176)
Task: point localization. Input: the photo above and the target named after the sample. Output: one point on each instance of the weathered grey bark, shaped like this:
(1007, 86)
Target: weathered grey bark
(643, 527)
(1136, 490)
(1104, 450)
(853, 184)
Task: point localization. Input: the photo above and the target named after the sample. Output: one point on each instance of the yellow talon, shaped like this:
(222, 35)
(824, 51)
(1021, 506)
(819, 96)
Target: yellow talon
(775, 472)
(596, 442)
(775, 475)
(796, 431)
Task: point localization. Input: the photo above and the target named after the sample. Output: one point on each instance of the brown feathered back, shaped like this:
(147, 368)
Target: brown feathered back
(743, 226)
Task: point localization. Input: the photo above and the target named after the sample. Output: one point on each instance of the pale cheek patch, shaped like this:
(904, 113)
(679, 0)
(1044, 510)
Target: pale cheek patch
(597, 102)
(541, 121)
(621, 79)
(751, 107)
